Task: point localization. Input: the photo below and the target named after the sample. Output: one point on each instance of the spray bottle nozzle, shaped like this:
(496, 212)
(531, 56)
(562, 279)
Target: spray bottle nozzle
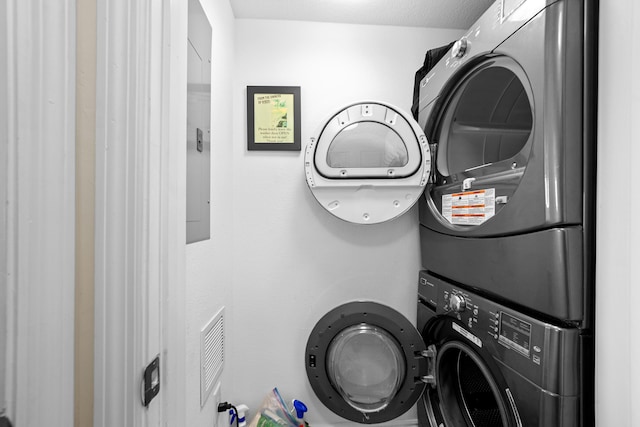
(300, 408)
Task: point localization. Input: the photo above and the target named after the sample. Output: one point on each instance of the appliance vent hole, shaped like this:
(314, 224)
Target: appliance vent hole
(211, 354)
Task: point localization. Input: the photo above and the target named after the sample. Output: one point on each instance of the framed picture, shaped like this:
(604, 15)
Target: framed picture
(273, 118)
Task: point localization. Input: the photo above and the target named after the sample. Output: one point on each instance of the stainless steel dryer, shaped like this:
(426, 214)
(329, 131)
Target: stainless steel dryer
(509, 115)
(471, 362)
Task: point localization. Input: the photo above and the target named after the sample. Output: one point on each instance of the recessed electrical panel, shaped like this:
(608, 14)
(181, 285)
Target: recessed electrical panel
(198, 124)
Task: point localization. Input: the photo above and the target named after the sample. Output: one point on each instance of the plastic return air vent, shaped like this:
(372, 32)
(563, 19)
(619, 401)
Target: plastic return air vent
(211, 354)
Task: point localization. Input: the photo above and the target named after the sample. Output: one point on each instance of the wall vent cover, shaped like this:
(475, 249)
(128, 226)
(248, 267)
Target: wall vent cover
(211, 354)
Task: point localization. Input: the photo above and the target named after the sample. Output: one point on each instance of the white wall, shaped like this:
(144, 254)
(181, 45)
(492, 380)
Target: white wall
(618, 286)
(208, 284)
(292, 261)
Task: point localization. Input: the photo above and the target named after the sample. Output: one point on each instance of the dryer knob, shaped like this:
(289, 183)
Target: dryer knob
(457, 303)
(459, 48)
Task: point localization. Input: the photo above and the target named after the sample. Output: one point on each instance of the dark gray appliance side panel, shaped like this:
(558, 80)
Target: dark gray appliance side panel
(559, 71)
(590, 154)
(541, 271)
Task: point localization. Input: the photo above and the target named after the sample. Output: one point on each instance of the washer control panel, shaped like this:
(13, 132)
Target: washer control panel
(517, 339)
(461, 305)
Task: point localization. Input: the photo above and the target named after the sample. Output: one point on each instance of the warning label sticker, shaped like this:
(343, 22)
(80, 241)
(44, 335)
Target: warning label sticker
(469, 207)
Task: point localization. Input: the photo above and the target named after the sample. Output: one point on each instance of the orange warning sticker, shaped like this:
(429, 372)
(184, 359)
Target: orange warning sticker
(469, 207)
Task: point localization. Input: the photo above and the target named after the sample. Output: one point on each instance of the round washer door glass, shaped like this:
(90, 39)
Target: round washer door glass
(366, 366)
(368, 163)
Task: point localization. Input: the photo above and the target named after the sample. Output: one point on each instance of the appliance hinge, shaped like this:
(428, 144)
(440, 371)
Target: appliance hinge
(430, 355)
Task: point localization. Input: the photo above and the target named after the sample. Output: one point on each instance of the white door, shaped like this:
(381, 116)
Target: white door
(3, 218)
(37, 187)
(3, 223)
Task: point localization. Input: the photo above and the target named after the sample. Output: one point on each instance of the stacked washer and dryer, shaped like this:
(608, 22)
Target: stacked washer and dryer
(502, 164)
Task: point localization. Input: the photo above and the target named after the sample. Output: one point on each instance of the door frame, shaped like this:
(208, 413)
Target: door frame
(135, 215)
(4, 186)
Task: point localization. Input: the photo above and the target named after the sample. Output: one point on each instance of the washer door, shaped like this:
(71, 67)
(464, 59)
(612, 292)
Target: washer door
(469, 389)
(363, 362)
(368, 163)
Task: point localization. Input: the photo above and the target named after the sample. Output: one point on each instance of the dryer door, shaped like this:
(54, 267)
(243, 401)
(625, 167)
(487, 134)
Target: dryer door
(364, 362)
(368, 163)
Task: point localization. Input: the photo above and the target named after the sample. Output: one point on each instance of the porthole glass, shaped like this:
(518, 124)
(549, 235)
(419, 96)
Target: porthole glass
(367, 145)
(368, 163)
(366, 366)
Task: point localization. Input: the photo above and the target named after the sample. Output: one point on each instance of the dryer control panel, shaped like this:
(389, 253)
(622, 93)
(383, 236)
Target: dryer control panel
(522, 342)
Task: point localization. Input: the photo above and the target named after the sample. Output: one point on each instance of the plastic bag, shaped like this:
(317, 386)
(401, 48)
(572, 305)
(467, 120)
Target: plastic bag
(273, 412)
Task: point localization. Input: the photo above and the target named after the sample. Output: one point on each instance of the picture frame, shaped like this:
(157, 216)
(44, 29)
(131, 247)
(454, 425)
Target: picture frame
(273, 118)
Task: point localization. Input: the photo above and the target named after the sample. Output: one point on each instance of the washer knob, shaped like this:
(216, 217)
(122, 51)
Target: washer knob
(459, 48)
(457, 303)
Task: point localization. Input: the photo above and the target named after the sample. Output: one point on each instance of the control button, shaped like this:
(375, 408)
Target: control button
(457, 303)
(459, 48)
(475, 311)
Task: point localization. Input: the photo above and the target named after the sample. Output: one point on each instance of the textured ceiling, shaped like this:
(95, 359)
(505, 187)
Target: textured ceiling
(407, 13)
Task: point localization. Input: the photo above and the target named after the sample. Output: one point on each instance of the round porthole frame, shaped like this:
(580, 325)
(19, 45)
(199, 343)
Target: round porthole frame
(410, 344)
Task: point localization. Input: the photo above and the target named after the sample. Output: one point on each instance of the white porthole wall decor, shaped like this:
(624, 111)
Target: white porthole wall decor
(368, 163)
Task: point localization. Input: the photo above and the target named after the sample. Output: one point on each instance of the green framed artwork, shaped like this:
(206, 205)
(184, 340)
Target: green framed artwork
(273, 118)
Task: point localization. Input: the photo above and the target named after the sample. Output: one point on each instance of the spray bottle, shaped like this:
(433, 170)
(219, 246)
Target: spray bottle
(242, 419)
(300, 409)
